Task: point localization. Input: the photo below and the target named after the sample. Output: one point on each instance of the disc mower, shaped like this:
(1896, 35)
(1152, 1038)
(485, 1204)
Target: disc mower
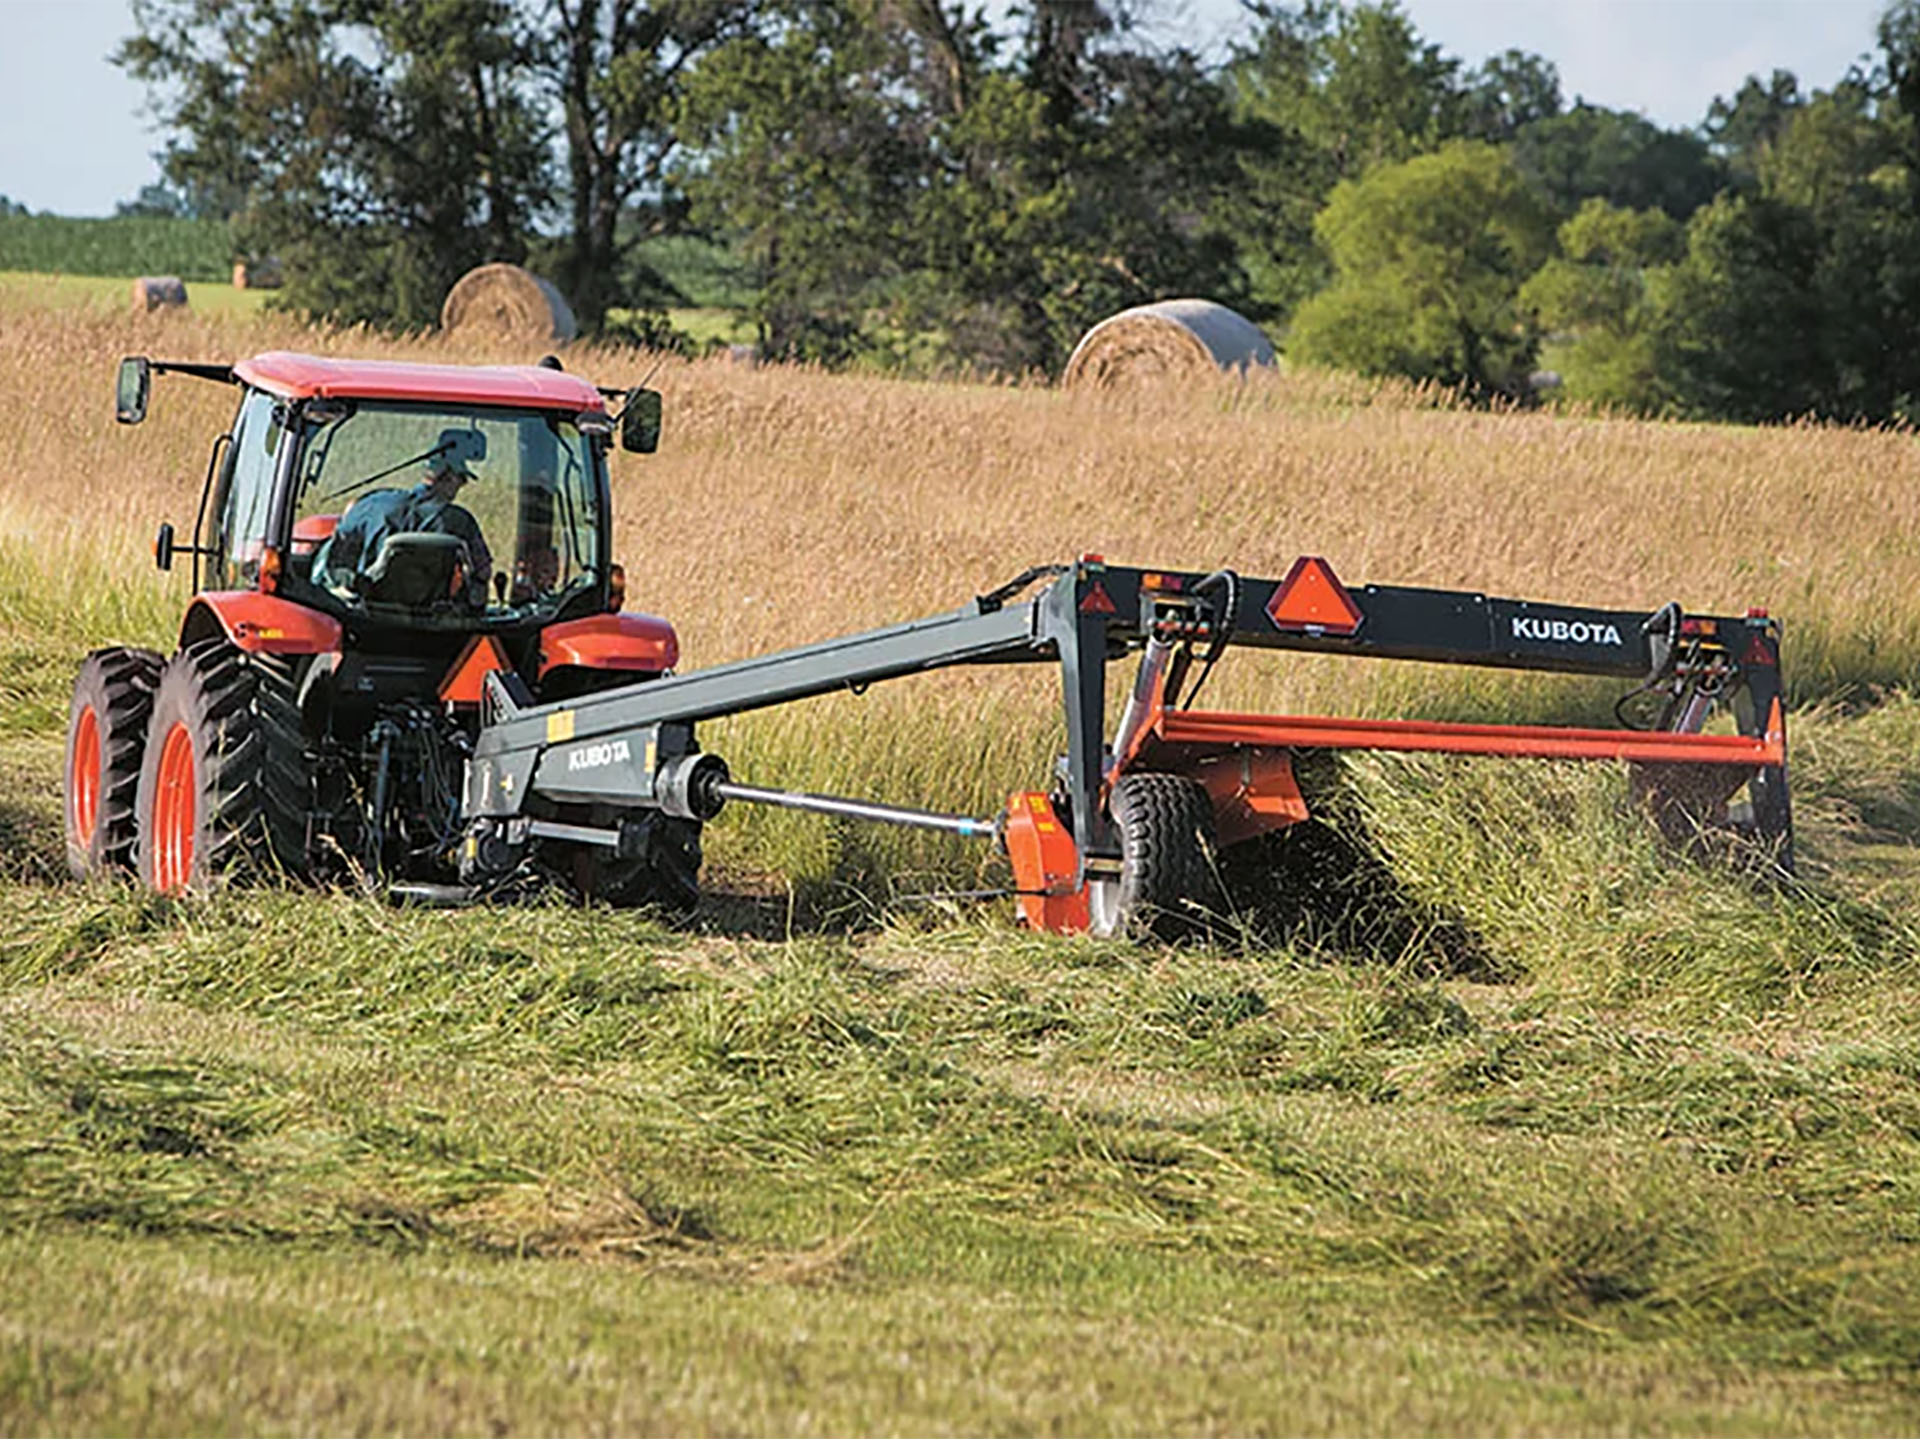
(360, 688)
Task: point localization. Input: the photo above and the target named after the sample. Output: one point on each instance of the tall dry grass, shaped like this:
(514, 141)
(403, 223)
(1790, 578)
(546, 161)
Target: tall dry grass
(787, 505)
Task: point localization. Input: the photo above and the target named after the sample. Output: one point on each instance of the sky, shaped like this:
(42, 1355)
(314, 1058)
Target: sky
(75, 137)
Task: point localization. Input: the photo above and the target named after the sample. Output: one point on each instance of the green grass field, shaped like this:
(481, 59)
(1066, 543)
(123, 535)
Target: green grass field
(1534, 1127)
(117, 245)
(25, 293)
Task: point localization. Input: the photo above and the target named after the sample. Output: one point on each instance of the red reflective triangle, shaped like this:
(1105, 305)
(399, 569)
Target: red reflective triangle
(467, 677)
(1097, 602)
(1759, 652)
(1312, 598)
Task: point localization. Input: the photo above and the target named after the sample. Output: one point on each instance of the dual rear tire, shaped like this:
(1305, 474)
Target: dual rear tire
(185, 770)
(106, 736)
(191, 770)
(224, 782)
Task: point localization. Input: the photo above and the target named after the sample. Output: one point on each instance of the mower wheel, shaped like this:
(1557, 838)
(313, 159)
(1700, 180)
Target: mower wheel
(667, 876)
(225, 785)
(1169, 885)
(106, 731)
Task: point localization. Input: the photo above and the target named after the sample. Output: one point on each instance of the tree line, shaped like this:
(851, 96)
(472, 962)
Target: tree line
(915, 184)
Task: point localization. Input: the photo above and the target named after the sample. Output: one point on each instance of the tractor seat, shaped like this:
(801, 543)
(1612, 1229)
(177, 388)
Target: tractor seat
(416, 568)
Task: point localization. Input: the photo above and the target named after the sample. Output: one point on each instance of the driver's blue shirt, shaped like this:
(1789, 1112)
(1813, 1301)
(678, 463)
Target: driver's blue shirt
(356, 540)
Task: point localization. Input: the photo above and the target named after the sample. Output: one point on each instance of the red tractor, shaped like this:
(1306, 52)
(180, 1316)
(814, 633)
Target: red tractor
(372, 540)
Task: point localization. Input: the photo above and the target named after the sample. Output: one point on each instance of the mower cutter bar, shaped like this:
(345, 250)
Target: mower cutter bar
(1544, 742)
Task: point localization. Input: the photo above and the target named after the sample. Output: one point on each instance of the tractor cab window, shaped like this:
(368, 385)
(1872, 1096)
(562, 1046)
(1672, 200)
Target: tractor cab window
(457, 512)
(246, 497)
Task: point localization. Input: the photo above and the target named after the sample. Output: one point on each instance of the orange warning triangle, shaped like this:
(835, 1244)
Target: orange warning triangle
(465, 680)
(1097, 602)
(1312, 598)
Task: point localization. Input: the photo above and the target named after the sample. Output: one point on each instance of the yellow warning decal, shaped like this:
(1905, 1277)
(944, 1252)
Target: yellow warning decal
(559, 726)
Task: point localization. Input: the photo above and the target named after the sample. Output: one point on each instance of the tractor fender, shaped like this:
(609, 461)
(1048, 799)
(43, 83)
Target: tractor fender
(259, 624)
(626, 641)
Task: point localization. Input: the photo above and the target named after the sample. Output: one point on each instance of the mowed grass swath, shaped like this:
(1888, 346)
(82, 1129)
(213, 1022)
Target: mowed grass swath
(1533, 1125)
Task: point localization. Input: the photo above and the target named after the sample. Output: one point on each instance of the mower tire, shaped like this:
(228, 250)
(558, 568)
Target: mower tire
(225, 784)
(1169, 886)
(106, 731)
(666, 876)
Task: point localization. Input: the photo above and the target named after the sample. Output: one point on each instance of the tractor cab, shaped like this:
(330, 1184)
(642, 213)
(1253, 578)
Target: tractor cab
(418, 495)
(415, 507)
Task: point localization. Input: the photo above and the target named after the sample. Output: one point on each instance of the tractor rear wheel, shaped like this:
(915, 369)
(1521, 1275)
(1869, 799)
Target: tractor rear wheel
(1169, 885)
(225, 785)
(106, 731)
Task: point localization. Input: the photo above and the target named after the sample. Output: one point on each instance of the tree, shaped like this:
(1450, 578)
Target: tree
(1839, 162)
(1322, 93)
(159, 200)
(1034, 231)
(380, 149)
(804, 160)
(1429, 256)
(1737, 323)
(916, 191)
(1614, 155)
(1741, 130)
(1898, 84)
(619, 70)
(1507, 93)
(1592, 297)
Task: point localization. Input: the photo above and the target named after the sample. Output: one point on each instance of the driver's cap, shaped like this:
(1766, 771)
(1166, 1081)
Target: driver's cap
(458, 449)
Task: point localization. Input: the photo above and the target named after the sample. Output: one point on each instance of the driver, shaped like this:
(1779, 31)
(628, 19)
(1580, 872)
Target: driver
(430, 507)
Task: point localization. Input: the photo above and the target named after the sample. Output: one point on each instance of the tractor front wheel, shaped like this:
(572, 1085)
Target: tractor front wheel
(106, 731)
(224, 783)
(1169, 885)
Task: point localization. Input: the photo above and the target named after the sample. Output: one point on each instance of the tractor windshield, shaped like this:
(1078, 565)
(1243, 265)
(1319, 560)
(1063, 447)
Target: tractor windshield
(460, 511)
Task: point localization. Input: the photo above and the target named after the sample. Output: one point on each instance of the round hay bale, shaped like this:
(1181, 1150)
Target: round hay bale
(1167, 342)
(156, 292)
(508, 302)
(263, 274)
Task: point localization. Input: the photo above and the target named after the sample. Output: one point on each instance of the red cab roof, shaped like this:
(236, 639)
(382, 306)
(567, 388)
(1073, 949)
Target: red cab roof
(301, 377)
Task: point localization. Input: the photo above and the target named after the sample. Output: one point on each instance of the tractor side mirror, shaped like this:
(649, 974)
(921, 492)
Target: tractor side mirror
(131, 390)
(640, 422)
(163, 547)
